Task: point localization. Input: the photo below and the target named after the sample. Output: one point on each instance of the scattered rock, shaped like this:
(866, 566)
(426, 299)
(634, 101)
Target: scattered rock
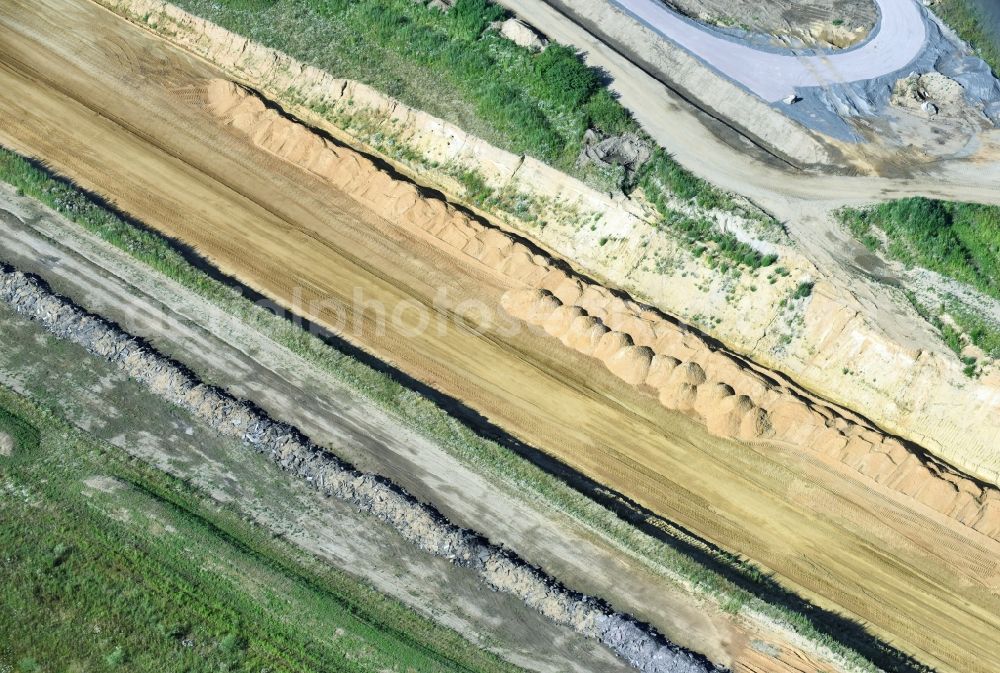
(639, 644)
(522, 34)
(628, 150)
(929, 94)
(6, 444)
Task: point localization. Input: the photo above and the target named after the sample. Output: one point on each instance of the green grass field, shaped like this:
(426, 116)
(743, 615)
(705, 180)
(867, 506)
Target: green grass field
(960, 241)
(965, 19)
(108, 564)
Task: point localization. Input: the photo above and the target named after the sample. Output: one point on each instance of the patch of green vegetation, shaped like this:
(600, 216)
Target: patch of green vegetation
(447, 63)
(110, 564)
(957, 240)
(662, 174)
(661, 178)
(960, 241)
(961, 328)
(805, 289)
(967, 20)
(732, 581)
(724, 247)
(452, 65)
(25, 435)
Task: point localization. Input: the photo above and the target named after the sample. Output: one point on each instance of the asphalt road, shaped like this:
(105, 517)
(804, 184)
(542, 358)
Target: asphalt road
(896, 42)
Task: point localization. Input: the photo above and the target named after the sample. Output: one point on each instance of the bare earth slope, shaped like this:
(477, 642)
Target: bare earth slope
(858, 341)
(635, 343)
(157, 150)
(835, 23)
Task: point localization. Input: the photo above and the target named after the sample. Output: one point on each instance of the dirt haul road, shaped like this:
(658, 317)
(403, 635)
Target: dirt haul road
(798, 198)
(233, 355)
(125, 115)
(897, 40)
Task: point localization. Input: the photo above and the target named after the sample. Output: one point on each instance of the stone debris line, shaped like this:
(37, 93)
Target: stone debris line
(640, 644)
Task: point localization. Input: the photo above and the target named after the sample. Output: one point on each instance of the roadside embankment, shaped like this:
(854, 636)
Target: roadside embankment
(421, 524)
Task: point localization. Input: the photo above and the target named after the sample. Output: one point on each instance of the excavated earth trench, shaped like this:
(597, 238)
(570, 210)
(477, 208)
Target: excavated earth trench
(131, 118)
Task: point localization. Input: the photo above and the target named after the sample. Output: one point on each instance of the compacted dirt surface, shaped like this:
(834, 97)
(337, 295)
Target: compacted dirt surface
(125, 115)
(836, 23)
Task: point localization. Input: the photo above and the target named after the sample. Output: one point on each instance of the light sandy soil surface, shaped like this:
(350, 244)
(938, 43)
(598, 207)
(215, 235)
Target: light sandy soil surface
(837, 23)
(229, 353)
(74, 99)
(6, 444)
(637, 345)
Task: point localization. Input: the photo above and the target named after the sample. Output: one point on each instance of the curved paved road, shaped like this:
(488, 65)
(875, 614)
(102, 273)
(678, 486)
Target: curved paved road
(898, 40)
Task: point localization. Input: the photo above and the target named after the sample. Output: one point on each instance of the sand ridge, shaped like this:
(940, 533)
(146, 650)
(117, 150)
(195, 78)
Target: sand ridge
(733, 398)
(736, 400)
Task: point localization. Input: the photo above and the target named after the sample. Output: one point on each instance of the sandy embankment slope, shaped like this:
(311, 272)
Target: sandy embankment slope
(857, 343)
(151, 145)
(862, 345)
(639, 346)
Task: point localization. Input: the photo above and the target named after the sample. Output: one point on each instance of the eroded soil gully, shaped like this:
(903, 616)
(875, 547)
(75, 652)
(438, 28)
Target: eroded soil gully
(639, 644)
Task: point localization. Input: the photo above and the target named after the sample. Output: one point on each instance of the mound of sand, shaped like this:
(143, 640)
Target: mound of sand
(733, 399)
(660, 370)
(610, 344)
(725, 417)
(561, 320)
(679, 397)
(585, 334)
(631, 364)
(710, 396)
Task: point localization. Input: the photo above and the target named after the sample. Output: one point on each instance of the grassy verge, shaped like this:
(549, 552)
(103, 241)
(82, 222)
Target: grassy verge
(455, 66)
(968, 22)
(960, 241)
(111, 564)
(736, 585)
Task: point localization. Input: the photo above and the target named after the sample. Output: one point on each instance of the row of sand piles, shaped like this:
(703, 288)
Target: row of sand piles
(732, 399)
(637, 344)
